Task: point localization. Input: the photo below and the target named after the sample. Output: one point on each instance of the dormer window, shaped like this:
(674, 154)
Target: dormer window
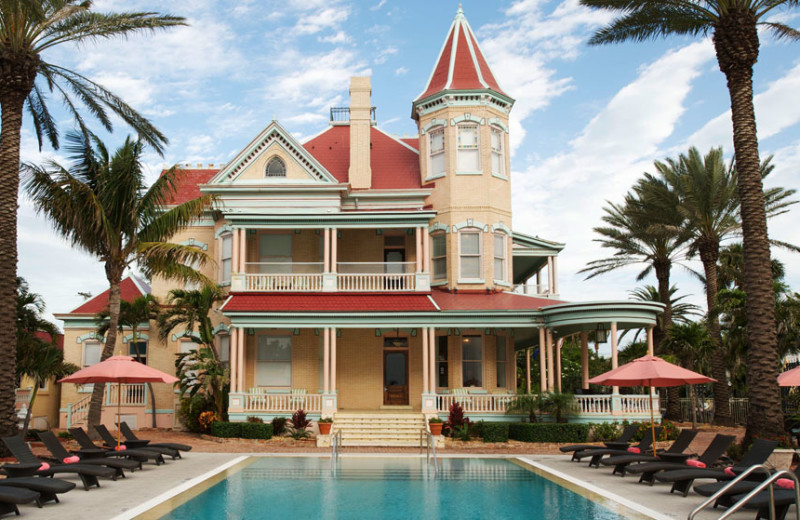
(498, 161)
(469, 159)
(436, 146)
(276, 168)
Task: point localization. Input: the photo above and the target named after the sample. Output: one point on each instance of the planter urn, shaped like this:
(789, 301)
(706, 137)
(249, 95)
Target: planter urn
(324, 428)
(436, 428)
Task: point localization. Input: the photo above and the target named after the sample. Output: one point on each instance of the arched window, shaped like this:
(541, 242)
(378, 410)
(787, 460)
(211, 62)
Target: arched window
(500, 258)
(498, 157)
(276, 168)
(436, 152)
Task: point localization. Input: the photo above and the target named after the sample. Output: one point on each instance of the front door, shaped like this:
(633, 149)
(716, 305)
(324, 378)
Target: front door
(395, 374)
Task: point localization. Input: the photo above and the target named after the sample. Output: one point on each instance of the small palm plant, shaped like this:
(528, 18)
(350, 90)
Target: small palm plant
(560, 404)
(527, 404)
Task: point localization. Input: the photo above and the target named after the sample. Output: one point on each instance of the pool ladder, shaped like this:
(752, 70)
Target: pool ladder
(430, 445)
(767, 484)
(336, 446)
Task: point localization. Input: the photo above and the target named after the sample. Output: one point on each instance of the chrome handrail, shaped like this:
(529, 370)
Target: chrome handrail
(336, 444)
(430, 451)
(722, 491)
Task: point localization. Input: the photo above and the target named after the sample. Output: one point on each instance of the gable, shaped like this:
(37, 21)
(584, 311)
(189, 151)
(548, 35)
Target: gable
(274, 141)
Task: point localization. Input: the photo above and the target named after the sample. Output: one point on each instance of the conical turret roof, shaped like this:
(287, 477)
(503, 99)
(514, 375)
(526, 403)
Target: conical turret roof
(461, 64)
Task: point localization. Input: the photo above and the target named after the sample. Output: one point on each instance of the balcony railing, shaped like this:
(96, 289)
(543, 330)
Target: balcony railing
(541, 290)
(131, 394)
(23, 396)
(585, 405)
(350, 277)
(282, 402)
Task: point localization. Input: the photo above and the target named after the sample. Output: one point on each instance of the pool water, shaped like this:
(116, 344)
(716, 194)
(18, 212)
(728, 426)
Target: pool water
(387, 488)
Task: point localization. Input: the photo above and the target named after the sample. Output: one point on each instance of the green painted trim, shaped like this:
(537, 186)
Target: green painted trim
(81, 322)
(435, 176)
(446, 97)
(469, 173)
(537, 243)
(185, 334)
(438, 226)
(470, 223)
(470, 281)
(158, 411)
(498, 176)
(500, 226)
(221, 327)
(501, 283)
(195, 243)
(223, 230)
(140, 335)
(433, 123)
(494, 121)
(89, 335)
(339, 220)
(467, 117)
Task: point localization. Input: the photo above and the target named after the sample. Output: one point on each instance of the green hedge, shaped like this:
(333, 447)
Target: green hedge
(256, 431)
(226, 429)
(548, 432)
(495, 432)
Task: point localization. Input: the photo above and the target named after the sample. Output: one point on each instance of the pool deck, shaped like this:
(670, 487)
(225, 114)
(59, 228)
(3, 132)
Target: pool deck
(121, 499)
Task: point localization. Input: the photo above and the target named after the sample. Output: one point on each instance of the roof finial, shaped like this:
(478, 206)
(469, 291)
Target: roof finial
(460, 11)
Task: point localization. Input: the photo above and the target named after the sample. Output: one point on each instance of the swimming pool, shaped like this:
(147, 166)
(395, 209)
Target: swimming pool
(386, 488)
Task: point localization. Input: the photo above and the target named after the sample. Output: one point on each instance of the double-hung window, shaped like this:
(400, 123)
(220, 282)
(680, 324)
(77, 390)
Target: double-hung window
(439, 257)
(275, 253)
(472, 361)
(226, 258)
(500, 254)
(469, 158)
(436, 145)
(470, 255)
(138, 351)
(274, 361)
(224, 348)
(442, 380)
(92, 350)
(498, 160)
(501, 361)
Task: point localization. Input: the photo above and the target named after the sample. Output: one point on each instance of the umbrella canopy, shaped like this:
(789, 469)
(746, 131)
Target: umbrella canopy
(650, 371)
(119, 369)
(790, 377)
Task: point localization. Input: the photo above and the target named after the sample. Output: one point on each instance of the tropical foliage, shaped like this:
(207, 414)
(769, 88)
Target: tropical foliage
(190, 310)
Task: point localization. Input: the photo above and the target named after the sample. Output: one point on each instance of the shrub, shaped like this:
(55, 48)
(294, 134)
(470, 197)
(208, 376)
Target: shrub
(255, 430)
(548, 432)
(494, 432)
(669, 432)
(205, 419)
(435, 420)
(252, 419)
(605, 431)
(190, 410)
(278, 425)
(299, 420)
(456, 419)
(64, 435)
(326, 420)
(461, 432)
(226, 429)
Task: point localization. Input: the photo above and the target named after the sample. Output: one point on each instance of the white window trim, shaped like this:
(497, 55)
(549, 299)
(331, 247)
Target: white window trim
(477, 127)
(87, 388)
(461, 233)
(270, 161)
(503, 280)
(222, 238)
(501, 174)
(438, 175)
(218, 339)
(482, 360)
(443, 236)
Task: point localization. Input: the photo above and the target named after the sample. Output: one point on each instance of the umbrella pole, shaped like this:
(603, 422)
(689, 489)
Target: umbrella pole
(119, 411)
(652, 420)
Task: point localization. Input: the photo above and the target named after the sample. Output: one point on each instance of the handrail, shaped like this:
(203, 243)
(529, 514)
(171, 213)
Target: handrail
(766, 484)
(430, 452)
(336, 441)
(722, 491)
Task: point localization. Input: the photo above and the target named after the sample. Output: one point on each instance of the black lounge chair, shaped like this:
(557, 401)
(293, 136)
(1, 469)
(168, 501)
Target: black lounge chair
(48, 488)
(621, 462)
(110, 441)
(131, 437)
(30, 464)
(89, 449)
(716, 449)
(620, 443)
(682, 479)
(644, 445)
(784, 499)
(740, 488)
(60, 453)
(11, 497)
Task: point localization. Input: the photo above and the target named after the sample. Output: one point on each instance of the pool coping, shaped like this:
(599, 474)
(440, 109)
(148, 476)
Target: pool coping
(589, 491)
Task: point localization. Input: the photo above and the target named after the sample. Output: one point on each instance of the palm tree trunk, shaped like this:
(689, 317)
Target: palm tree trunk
(736, 44)
(27, 423)
(11, 105)
(709, 254)
(660, 333)
(114, 276)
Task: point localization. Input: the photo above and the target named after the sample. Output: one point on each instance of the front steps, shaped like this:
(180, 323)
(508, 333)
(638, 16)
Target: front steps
(379, 429)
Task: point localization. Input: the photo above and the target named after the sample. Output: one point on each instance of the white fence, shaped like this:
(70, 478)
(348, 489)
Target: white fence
(376, 282)
(586, 405)
(288, 403)
(132, 394)
(477, 403)
(288, 282)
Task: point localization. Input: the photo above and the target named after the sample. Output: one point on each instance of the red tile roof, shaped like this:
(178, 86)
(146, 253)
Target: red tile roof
(129, 291)
(413, 142)
(188, 185)
(393, 165)
(44, 336)
(477, 301)
(331, 302)
(470, 69)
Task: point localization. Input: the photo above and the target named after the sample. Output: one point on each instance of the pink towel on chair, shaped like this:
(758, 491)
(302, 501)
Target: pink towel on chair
(729, 472)
(785, 483)
(44, 467)
(121, 447)
(696, 463)
(71, 459)
(634, 449)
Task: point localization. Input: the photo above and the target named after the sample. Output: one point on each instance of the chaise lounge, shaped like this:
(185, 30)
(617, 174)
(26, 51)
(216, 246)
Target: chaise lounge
(643, 446)
(111, 442)
(620, 443)
(90, 449)
(11, 497)
(60, 454)
(716, 449)
(131, 437)
(621, 462)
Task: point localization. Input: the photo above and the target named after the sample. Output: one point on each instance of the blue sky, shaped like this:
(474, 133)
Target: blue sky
(587, 120)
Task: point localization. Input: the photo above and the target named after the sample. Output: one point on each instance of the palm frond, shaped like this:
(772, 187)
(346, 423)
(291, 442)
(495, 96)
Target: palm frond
(43, 122)
(782, 31)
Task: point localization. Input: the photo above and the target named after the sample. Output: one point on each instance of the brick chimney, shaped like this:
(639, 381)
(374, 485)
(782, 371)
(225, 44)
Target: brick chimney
(360, 128)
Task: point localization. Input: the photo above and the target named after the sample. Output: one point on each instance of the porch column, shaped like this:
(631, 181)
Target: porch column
(235, 251)
(528, 370)
(334, 249)
(418, 250)
(585, 360)
(426, 377)
(234, 357)
(614, 360)
(539, 281)
(432, 359)
(426, 253)
(333, 360)
(555, 274)
(550, 378)
(559, 344)
(242, 249)
(326, 254)
(550, 275)
(326, 361)
(650, 341)
(542, 361)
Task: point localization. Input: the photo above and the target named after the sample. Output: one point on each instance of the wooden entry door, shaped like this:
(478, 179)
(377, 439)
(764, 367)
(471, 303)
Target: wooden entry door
(395, 377)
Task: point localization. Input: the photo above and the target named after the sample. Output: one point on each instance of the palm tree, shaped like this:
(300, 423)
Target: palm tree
(190, 310)
(734, 28)
(29, 28)
(131, 315)
(694, 348)
(103, 206)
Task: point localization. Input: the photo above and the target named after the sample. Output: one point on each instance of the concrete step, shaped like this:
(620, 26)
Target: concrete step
(379, 429)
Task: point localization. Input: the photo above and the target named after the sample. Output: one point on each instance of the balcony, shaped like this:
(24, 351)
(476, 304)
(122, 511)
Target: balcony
(350, 277)
(539, 290)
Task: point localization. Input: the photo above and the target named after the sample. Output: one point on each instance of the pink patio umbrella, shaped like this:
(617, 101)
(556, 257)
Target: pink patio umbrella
(119, 369)
(790, 377)
(650, 371)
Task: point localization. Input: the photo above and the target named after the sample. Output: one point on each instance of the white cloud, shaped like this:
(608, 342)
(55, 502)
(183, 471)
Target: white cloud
(378, 5)
(329, 18)
(400, 71)
(338, 37)
(305, 118)
(384, 54)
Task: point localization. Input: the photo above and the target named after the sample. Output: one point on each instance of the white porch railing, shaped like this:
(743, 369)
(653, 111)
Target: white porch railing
(282, 282)
(376, 282)
(287, 403)
(132, 394)
(593, 404)
(23, 396)
(541, 290)
(375, 267)
(586, 405)
(350, 277)
(475, 403)
(77, 412)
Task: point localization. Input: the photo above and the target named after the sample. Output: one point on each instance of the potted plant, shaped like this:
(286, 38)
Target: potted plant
(325, 426)
(435, 425)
